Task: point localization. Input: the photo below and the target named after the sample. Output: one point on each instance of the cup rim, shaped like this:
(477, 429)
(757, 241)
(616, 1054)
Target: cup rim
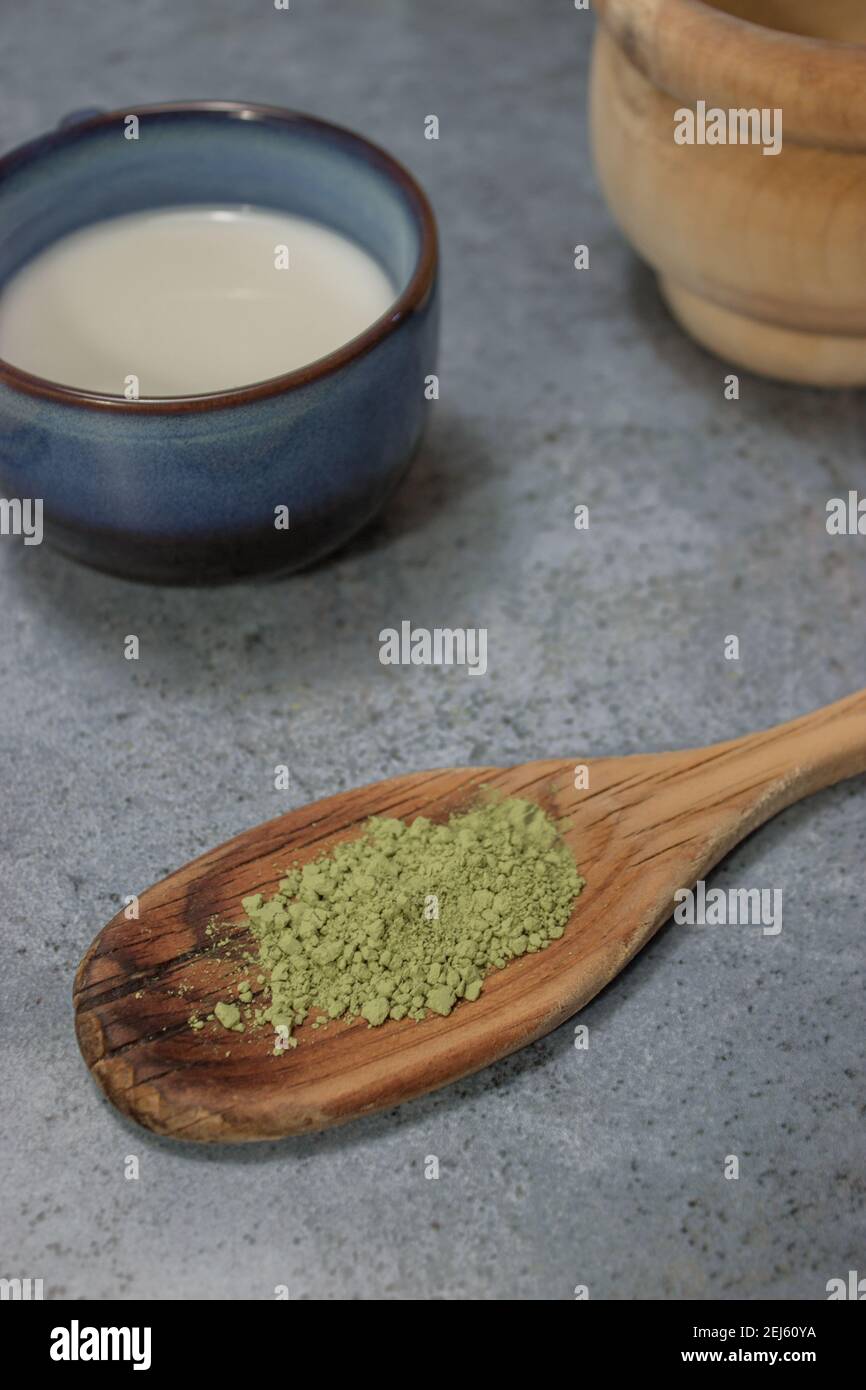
(412, 297)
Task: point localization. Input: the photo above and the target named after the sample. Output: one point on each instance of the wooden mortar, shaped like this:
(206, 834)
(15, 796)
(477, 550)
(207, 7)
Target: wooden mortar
(762, 258)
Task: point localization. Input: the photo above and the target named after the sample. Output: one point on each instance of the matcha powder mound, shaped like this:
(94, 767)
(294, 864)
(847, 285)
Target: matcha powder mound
(410, 918)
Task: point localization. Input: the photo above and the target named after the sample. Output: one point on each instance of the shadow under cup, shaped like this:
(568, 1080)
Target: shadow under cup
(186, 489)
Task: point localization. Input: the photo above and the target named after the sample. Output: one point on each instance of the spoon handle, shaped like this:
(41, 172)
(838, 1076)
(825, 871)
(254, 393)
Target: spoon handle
(698, 804)
(758, 775)
(815, 750)
(722, 793)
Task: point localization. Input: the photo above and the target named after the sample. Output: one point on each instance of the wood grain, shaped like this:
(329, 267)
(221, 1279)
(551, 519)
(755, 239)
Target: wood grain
(645, 826)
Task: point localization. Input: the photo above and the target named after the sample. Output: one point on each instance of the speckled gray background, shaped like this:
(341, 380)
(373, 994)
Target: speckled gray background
(558, 1167)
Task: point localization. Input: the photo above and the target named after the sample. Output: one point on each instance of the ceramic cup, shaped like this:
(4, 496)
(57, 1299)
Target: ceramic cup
(184, 489)
(760, 255)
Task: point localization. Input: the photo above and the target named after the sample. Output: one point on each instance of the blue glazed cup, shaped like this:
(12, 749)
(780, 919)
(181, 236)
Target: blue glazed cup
(187, 489)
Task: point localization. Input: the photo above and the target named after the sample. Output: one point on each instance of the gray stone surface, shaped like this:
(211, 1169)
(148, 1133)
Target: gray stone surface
(558, 1167)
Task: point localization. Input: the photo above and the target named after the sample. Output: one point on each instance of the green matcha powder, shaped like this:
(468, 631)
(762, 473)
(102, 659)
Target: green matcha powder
(408, 918)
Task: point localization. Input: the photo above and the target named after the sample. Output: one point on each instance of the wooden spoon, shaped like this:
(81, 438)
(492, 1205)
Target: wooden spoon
(645, 826)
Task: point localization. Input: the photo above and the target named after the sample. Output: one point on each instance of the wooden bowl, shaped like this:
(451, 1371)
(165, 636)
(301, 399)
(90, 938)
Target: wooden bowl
(760, 257)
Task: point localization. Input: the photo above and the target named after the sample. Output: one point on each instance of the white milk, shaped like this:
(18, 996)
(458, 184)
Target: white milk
(188, 300)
